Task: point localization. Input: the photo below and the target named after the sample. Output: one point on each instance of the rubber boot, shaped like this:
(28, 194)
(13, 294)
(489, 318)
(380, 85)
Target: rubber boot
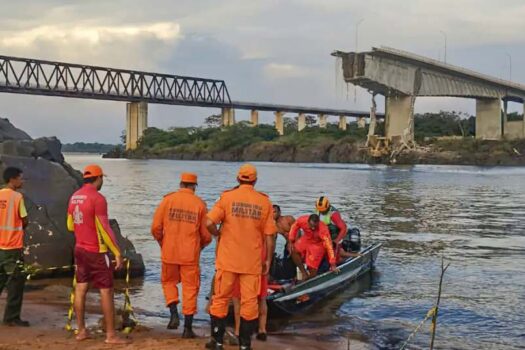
(218, 327)
(188, 330)
(246, 329)
(174, 319)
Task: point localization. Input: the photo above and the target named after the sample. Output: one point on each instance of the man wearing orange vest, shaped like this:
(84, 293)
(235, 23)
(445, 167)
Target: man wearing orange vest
(13, 220)
(179, 225)
(247, 225)
(87, 216)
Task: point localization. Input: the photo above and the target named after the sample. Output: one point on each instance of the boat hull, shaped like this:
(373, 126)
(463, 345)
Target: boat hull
(303, 296)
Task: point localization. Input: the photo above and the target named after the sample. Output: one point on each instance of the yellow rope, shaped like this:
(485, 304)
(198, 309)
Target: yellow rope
(128, 309)
(430, 314)
(71, 305)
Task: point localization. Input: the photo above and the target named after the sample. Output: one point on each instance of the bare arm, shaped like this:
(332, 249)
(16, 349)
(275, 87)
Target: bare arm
(212, 228)
(270, 249)
(25, 222)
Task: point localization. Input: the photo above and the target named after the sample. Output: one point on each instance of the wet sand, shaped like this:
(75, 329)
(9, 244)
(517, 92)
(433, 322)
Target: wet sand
(46, 305)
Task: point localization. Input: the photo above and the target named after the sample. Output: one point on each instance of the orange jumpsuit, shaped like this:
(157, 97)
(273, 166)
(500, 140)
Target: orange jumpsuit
(312, 245)
(179, 225)
(246, 218)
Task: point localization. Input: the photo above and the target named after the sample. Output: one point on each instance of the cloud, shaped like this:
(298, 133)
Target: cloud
(93, 35)
(284, 71)
(275, 51)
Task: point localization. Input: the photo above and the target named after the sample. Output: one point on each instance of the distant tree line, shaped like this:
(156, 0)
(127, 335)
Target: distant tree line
(87, 147)
(213, 137)
(444, 124)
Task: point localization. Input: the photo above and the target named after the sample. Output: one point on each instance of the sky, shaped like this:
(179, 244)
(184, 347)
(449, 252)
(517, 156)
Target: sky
(266, 51)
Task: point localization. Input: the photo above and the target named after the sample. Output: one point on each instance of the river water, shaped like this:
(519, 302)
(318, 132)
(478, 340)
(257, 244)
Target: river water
(473, 217)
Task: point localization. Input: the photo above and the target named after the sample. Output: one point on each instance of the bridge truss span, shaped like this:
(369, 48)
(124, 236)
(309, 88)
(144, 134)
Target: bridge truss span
(39, 77)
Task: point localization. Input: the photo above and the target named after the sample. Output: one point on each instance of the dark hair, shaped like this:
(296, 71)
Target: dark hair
(314, 218)
(187, 184)
(90, 180)
(11, 173)
(276, 207)
(243, 182)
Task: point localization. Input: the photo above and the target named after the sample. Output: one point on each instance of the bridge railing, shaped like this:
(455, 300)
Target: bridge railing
(39, 77)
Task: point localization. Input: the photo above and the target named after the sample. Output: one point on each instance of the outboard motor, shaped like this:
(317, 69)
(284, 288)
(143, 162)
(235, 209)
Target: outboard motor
(352, 241)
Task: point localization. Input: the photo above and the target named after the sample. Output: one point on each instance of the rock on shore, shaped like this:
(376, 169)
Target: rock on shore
(50, 181)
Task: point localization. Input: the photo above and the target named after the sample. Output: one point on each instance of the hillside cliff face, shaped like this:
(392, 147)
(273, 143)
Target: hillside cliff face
(49, 183)
(325, 152)
(467, 151)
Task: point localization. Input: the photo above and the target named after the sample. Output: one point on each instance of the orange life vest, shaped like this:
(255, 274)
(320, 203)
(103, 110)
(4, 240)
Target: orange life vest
(11, 225)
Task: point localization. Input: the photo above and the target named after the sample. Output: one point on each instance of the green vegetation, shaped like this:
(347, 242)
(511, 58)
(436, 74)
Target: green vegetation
(449, 134)
(443, 124)
(83, 147)
(212, 138)
(205, 139)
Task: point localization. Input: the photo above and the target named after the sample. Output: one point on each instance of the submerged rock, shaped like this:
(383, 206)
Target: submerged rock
(50, 181)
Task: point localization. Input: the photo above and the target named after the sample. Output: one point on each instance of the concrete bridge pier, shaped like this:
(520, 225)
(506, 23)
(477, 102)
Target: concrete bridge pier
(323, 121)
(488, 118)
(342, 122)
(279, 122)
(136, 123)
(228, 116)
(514, 129)
(397, 115)
(254, 117)
(301, 121)
(361, 122)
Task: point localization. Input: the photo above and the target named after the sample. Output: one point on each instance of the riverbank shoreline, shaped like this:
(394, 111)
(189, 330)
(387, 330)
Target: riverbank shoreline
(46, 304)
(438, 152)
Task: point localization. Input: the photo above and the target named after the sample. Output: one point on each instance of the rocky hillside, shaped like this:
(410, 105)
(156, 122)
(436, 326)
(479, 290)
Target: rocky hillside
(50, 181)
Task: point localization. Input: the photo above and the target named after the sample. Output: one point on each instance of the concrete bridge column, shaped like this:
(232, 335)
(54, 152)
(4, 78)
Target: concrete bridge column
(342, 122)
(361, 122)
(254, 117)
(512, 129)
(323, 121)
(228, 116)
(279, 122)
(488, 119)
(397, 114)
(136, 123)
(301, 121)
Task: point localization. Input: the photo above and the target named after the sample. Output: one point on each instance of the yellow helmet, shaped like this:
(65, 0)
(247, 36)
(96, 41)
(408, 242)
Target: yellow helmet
(322, 204)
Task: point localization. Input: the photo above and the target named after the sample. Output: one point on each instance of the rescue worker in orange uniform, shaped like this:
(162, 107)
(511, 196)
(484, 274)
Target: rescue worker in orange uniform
(179, 225)
(87, 217)
(247, 224)
(13, 220)
(313, 245)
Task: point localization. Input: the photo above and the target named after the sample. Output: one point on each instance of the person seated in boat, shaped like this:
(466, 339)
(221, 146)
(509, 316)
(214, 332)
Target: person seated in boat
(339, 231)
(284, 224)
(283, 268)
(312, 246)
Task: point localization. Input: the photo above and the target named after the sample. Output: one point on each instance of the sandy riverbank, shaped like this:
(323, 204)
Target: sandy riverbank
(46, 304)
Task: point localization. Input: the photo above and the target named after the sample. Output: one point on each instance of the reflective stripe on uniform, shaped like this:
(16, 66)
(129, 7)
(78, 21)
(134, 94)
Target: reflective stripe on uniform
(10, 209)
(11, 228)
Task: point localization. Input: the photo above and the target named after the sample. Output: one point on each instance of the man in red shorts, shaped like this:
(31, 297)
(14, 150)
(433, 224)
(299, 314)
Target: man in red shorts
(87, 216)
(310, 249)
